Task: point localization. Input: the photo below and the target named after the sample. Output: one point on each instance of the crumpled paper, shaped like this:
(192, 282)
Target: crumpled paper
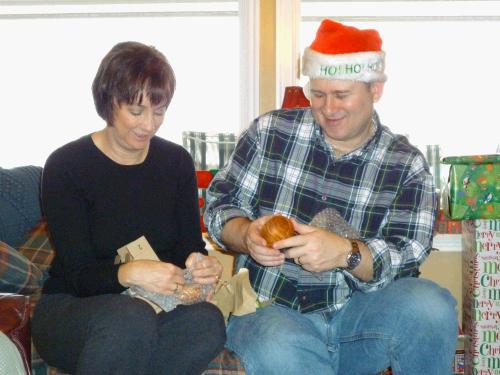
(233, 297)
(190, 292)
(236, 296)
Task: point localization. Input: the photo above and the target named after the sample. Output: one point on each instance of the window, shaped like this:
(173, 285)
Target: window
(441, 62)
(51, 52)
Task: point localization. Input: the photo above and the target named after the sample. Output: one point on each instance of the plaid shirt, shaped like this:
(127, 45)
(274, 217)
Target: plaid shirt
(383, 190)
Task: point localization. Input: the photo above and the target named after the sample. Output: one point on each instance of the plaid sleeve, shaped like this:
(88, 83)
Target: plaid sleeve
(17, 273)
(232, 192)
(407, 231)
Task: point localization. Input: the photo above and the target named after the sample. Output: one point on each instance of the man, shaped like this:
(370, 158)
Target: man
(344, 299)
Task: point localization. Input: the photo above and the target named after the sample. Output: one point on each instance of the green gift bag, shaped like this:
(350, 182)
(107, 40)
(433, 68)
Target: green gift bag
(473, 189)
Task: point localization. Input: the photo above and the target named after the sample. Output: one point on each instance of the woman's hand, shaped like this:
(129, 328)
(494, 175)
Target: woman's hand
(204, 269)
(152, 275)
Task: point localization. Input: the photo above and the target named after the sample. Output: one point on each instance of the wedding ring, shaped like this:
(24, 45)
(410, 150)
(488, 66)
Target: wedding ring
(176, 287)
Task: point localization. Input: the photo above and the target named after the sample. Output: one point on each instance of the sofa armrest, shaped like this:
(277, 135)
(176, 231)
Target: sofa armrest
(15, 313)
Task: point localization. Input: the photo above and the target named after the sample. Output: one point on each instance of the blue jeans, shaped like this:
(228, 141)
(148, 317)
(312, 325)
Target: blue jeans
(411, 326)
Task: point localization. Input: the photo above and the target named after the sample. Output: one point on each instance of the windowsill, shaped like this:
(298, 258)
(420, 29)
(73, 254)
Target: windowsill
(447, 242)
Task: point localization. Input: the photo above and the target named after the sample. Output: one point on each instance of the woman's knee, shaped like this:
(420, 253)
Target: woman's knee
(213, 324)
(133, 318)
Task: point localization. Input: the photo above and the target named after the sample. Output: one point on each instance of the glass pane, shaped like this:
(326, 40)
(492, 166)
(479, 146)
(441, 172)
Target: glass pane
(442, 86)
(48, 65)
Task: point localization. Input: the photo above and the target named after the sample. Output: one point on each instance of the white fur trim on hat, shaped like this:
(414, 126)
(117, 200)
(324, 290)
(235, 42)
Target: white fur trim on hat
(359, 66)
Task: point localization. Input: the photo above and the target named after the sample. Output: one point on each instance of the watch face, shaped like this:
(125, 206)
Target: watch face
(354, 257)
(353, 260)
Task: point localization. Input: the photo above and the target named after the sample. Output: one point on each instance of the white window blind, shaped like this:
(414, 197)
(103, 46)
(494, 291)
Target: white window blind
(442, 63)
(51, 52)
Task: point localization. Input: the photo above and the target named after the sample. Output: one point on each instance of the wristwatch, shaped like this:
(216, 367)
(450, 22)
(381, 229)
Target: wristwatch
(354, 257)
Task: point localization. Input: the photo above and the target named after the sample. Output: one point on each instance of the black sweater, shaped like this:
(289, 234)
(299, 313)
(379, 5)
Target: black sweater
(95, 206)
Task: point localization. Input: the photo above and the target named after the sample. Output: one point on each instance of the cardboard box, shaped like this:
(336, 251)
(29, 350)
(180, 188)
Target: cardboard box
(481, 296)
(473, 189)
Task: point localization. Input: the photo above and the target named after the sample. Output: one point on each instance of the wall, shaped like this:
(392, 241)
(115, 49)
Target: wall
(445, 268)
(267, 73)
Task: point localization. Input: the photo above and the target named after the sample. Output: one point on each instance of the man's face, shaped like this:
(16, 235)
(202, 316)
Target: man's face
(344, 110)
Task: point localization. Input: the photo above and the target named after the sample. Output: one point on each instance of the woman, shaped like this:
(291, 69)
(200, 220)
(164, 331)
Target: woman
(104, 191)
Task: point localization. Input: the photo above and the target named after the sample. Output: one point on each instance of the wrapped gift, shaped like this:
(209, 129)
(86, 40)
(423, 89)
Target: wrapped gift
(459, 360)
(481, 295)
(473, 189)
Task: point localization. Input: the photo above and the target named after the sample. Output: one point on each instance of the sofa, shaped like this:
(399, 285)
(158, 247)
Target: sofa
(26, 253)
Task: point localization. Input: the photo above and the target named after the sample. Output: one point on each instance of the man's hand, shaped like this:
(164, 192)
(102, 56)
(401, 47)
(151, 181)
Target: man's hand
(315, 249)
(243, 236)
(257, 245)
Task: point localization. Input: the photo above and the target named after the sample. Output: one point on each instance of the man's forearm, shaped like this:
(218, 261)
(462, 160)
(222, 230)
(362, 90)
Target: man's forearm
(234, 232)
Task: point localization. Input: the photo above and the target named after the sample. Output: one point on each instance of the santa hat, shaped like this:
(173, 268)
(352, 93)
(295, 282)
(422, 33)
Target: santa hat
(344, 52)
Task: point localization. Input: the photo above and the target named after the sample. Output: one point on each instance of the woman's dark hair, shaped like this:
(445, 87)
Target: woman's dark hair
(130, 71)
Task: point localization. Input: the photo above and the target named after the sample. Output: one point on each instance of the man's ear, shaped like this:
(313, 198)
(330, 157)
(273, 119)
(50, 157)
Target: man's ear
(377, 89)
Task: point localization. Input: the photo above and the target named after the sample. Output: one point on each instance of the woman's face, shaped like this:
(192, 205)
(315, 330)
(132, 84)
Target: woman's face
(135, 124)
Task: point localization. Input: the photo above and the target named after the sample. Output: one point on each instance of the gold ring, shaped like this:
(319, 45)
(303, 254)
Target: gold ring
(176, 287)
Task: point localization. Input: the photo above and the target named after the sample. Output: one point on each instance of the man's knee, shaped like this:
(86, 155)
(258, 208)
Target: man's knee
(273, 340)
(278, 350)
(426, 306)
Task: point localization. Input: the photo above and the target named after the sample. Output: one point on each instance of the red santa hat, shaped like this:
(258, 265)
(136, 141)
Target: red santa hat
(344, 52)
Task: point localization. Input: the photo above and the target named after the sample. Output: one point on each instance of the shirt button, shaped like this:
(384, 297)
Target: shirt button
(323, 197)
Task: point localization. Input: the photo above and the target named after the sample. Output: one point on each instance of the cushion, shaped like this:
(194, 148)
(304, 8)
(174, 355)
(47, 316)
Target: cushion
(38, 247)
(14, 310)
(17, 273)
(11, 361)
(226, 363)
(19, 202)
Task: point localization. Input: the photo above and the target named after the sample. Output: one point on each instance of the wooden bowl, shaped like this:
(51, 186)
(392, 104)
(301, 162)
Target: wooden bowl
(277, 228)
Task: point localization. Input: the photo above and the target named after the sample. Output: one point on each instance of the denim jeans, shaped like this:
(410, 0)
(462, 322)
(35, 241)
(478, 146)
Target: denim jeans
(411, 326)
(117, 334)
